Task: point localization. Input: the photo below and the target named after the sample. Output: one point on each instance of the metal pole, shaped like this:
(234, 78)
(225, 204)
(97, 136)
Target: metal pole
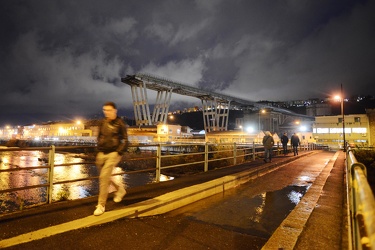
(158, 163)
(206, 157)
(343, 118)
(253, 151)
(51, 162)
(259, 121)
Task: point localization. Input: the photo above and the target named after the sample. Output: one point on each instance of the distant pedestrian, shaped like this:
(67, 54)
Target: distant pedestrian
(112, 143)
(295, 143)
(268, 144)
(284, 141)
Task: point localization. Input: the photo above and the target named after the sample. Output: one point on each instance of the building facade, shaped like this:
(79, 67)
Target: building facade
(55, 131)
(329, 130)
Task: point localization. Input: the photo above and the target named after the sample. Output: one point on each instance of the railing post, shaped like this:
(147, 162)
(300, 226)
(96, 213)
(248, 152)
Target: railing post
(206, 157)
(234, 153)
(158, 163)
(253, 151)
(51, 163)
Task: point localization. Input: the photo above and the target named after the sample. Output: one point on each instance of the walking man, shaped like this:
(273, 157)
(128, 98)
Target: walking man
(284, 141)
(295, 143)
(112, 143)
(268, 143)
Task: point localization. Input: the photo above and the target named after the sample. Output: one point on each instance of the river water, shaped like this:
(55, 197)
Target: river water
(18, 160)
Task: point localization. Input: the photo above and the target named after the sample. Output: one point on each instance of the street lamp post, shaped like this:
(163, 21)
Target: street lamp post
(341, 99)
(343, 118)
(260, 111)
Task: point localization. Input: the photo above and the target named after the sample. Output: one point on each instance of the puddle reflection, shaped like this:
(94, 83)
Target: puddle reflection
(271, 208)
(239, 210)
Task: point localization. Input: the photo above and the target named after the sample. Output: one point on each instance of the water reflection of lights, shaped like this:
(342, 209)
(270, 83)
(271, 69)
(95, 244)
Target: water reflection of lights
(74, 190)
(4, 180)
(59, 159)
(165, 178)
(4, 161)
(71, 172)
(295, 197)
(259, 209)
(304, 178)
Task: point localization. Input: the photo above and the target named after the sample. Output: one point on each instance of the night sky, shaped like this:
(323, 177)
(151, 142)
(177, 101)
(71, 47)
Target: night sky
(64, 59)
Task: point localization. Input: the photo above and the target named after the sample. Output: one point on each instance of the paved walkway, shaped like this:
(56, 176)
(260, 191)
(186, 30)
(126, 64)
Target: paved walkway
(52, 226)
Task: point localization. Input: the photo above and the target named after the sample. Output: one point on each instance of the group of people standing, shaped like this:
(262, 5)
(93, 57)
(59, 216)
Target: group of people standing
(294, 141)
(268, 143)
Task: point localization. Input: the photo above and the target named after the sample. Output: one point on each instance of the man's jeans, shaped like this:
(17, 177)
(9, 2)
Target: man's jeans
(105, 164)
(285, 149)
(268, 154)
(295, 150)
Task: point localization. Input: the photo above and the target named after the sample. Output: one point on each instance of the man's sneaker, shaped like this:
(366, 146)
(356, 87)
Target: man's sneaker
(99, 210)
(119, 195)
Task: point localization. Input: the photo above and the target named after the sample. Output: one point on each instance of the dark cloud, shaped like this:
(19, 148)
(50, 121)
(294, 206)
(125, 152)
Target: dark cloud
(65, 58)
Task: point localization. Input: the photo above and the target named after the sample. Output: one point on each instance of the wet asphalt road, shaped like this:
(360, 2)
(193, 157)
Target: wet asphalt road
(241, 218)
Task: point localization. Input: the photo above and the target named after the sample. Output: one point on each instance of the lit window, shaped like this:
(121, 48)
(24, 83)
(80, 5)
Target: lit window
(335, 130)
(322, 130)
(359, 130)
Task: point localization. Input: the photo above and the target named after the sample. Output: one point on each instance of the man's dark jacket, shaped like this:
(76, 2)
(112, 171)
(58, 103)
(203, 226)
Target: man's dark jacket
(113, 136)
(284, 139)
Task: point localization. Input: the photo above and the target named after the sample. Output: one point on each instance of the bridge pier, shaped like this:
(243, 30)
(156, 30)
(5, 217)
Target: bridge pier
(215, 114)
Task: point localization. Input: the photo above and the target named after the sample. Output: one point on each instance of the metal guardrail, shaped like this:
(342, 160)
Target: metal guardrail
(164, 156)
(361, 205)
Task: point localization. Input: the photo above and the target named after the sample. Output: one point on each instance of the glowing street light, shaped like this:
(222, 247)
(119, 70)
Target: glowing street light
(302, 128)
(249, 129)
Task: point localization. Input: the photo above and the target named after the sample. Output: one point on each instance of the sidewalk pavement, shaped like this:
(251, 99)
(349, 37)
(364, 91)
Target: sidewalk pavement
(153, 199)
